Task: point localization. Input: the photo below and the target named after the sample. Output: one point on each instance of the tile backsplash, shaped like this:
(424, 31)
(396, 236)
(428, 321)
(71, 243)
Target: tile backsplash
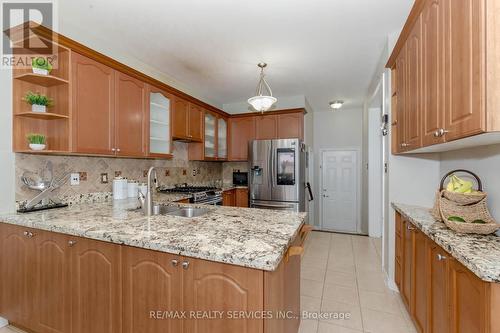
(175, 171)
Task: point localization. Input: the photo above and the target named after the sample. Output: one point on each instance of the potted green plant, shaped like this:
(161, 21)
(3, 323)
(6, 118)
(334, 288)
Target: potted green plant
(37, 141)
(38, 102)
(41, 65)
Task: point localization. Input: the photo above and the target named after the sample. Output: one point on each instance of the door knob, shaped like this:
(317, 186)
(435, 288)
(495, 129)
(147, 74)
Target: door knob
(185, 264)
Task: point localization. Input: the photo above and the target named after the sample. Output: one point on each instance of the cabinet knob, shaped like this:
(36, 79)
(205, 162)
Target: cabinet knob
(409, 227)
(404, 145)
(442, 132)
(436, 134)
(440, 257)
(185, 264)
(28, 234)
(25, 233)
(118, 149)
(174, 262)
(71, 243)
(113, 149)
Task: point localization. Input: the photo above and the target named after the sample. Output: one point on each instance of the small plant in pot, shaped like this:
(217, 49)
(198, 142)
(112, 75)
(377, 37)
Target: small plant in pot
(37, 141)
(38, 102)
(41, 65)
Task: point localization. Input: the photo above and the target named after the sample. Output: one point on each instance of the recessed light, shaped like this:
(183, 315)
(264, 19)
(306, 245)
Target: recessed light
(336, 104)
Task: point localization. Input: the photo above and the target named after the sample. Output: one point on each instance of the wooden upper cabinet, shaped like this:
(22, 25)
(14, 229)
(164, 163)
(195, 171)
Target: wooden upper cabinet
(266, 127)
(151, 282)
(130, 116)
(52, 283)
(242, 130)
(97, 293)
(211, 286)
(158, 134)
(196, 122)
(93, 106)
(419, 281)
(291, 125)
(433, 72)
(464, 68)
(180, 118)
(437, 287)
(469, 300)
(400, 121)
(413, 137)
(222, 138)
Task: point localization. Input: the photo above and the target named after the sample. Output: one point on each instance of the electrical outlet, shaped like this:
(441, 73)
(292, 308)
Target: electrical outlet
(75, 179)
(193, 172)
(104, 178)
(83, 176)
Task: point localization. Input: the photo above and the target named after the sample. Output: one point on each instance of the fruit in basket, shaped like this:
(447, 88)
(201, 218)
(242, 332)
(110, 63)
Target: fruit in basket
(456, 219)
(459, 185)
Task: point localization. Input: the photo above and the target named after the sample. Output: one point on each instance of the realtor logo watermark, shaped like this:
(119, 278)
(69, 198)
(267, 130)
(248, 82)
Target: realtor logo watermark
(22, 43)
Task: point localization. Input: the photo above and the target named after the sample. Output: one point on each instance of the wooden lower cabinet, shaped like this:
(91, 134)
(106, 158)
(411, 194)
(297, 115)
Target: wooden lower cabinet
(241, 197)
(419, 281)
(96, 287)
(468, 297)
(407, 263)
(445, 297)
(17, 257)
(151, 289)
(437, 295)
(228, 198)
(235, 290)
(54, 283)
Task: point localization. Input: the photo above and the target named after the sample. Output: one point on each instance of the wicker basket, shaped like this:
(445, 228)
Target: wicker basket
(470, 207)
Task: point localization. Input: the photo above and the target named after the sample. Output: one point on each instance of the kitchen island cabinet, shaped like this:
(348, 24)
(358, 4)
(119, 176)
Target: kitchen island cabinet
(127, 280)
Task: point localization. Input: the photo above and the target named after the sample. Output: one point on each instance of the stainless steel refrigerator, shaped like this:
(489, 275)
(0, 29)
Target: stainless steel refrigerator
(278, 175)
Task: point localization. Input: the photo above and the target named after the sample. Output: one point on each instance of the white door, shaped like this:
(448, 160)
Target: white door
(339, 191)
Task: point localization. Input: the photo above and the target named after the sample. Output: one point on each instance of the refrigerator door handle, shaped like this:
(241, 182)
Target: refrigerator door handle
(270, 155)
(311, 197)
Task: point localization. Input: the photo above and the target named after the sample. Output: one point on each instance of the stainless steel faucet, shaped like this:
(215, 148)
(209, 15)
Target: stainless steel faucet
(146, 200)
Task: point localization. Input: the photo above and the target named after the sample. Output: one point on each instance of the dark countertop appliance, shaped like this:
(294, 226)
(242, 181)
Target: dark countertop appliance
(240, 178)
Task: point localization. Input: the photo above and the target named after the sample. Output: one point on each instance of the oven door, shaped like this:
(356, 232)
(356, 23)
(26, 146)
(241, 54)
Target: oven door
(275, 205)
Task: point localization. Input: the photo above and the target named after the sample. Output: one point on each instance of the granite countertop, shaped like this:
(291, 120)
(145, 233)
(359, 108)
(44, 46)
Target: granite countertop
(479, 253)
(246, 237)
(170, 197)
(229, 187)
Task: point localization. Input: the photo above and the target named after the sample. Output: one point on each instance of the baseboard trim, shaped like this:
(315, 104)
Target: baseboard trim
(3, 322)
(390, 283)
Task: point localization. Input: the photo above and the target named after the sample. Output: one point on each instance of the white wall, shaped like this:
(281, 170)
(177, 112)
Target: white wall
(7, 167)
(374, 189)
(485, 162)
(342, 129)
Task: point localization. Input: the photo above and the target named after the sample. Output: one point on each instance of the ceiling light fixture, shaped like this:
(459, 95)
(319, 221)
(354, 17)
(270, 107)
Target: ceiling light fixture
(336, 104)
(261, 101)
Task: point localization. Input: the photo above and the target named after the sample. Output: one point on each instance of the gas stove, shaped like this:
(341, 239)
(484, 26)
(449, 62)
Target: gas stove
(199, 194)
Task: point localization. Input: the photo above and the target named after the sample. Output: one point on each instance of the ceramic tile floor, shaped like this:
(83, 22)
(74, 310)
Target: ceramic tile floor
(342, 273)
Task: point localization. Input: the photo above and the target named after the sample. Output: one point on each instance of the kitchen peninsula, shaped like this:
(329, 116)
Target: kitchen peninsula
(108, 262)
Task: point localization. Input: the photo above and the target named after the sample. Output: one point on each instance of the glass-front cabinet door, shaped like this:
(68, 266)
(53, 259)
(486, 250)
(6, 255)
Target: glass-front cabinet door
(221, 138)
(159, 124)
(210, 135)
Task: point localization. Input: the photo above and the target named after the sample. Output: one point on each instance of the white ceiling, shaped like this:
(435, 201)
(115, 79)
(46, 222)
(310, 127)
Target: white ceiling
(323, 49)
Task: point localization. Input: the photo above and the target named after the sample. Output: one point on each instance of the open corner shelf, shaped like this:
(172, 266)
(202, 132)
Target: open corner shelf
(41, 80)
(41, 115)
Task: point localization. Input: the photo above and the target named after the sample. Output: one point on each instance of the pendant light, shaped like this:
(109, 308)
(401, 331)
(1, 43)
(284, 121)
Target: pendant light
(262, 101)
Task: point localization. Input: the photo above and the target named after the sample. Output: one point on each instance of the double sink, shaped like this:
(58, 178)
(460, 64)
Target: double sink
(179, 211)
